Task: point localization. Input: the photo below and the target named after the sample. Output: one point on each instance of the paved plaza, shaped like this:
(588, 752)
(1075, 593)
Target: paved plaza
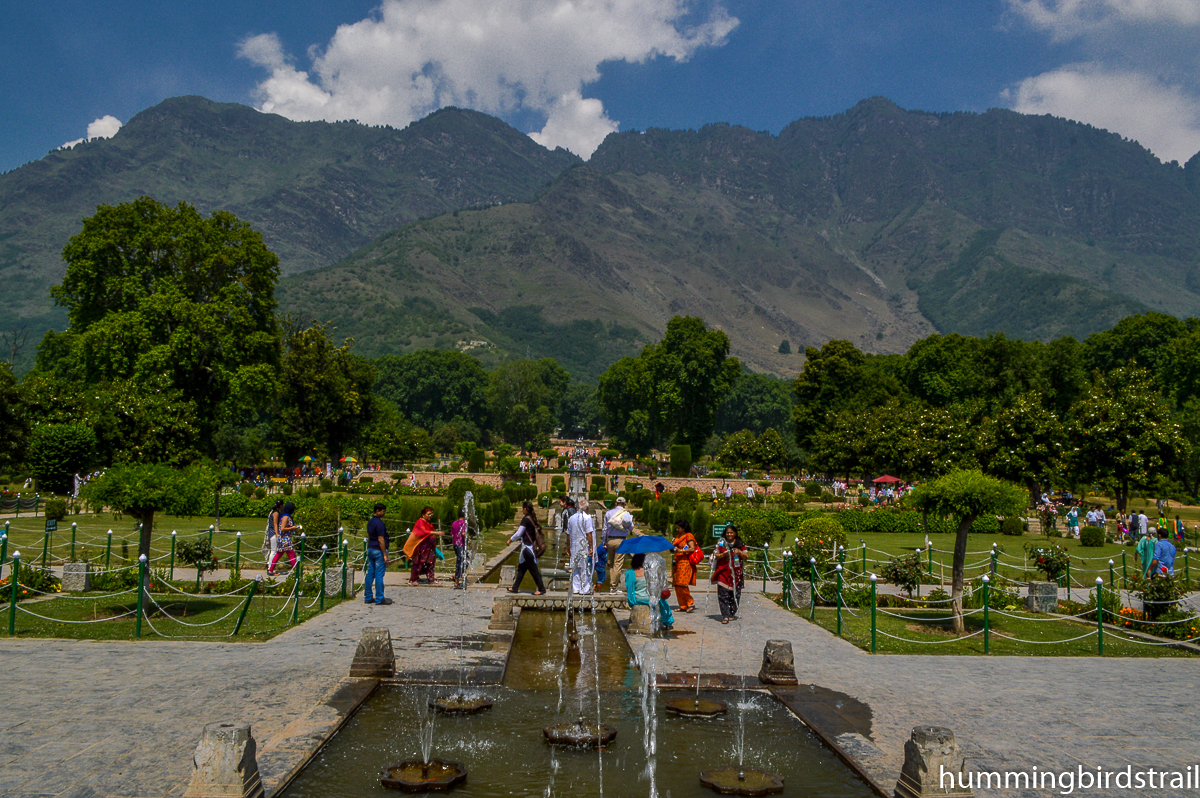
(86, 719)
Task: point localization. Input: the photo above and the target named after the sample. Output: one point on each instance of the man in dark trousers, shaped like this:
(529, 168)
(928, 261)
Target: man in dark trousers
(377, 559)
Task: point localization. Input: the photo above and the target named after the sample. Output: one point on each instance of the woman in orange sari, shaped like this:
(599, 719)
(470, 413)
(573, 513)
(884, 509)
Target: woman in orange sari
(419, 548)
(683, 574)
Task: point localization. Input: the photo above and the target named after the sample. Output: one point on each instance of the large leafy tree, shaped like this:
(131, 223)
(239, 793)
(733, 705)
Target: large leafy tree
(432, 387)
(158, 293)
(838, 377)
(324, 397)
(13, 419)
(58, 451)
(757, 402)
(1024, 443)
(523, 397)
(966, 495)
(579, 411)
(672, 389)
(1123, 430)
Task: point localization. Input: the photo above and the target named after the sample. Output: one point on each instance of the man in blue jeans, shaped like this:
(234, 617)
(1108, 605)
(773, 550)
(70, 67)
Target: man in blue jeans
(377, 559)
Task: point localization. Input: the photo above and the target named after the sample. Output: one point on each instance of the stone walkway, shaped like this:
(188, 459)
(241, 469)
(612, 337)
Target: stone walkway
(87, 719)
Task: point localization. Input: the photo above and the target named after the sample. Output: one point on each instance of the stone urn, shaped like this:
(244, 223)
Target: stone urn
(1043, 597)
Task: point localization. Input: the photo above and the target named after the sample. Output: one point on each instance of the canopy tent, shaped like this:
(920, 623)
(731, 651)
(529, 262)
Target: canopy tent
(306, 459)
(886, 478)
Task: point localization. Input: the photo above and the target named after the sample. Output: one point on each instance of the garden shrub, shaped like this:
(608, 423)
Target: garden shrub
(326, 485)
(828, 498)
(787, 487)
(1091, 536)
(999, 598)
(863, 501)
(1012, 526)
(597, 482)
(260, 493)
(56, 509)
(681, 460)
(1052, 561)
(816, 538)
(246, 489)
(686, 496)
(320, 522)
(755, 532)
(904, 572)
(701, 523)
(34, 578)
(287, 489)
(56, 452)
(476, 461)
(812, 490)
(1159, 595)
(197, 552)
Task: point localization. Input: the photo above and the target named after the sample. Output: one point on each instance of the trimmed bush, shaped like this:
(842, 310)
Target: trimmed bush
(1012, 526)
(681, 460)
(755, 532)
(686, 495)
(56, 509)
(812, 490)
(260, 493)
(326, 485)
(246, 489)
(787, 487)
(475, 464)
(1091, 536)
(819, 539)
(56, 452)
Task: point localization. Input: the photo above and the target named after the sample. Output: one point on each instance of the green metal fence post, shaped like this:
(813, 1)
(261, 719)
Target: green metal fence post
(210, 534)
(324, 554)
(864, 554)
(12, 602)
(237, 627)
(172, 574)
(873, 603)
(3, 552)
(987, 631)
(929, 553)
(1112, 577)
(785, 564)
(1187, 569)
(764, 565)
(108, 550)
(345, 552)
(993, 558)
(137, 624)
(812, 588)
(1068, 579)
(74, 526)
(1100, 616)
(839, 599)
(45, 549)
(1124, 572)
(299, 574)
(841, 554)
(237, 555)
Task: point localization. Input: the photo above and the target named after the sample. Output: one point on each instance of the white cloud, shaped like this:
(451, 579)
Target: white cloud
(1163, 118)
(1068, 19)
(103, 128)
(414, 56)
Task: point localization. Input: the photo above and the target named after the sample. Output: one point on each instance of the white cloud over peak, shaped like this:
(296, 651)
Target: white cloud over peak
(412, 57)
(1067, 19)
(103, 128)
(1163, 118)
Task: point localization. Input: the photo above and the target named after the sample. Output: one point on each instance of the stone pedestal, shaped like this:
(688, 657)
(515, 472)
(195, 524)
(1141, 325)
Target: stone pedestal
(779, 665)
(502, 615)
(374, 657)
(931, 757)
(556, 578)
(508, 574)
(802, 594)
(639, 620)
(225, 764)
(333, 582)
(1043, 597)
(77, 577)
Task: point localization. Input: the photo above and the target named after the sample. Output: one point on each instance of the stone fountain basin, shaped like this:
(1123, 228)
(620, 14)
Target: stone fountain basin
(414, 775)
(734, 780)
(459, 704)
(579, 734)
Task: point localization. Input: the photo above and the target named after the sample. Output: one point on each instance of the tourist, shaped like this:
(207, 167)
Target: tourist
(637, 591)
(618, 525)
(419, 548)
(1163, 563)
(1143, 523)
(1180, 530)
(1145, 552)
(581, 543)
(458, 538)
(271, 536)
(283, 534)
(526, 535)
(728, 494)
(727, 573)
(687, 556)
(1073, 522)
(377, 559)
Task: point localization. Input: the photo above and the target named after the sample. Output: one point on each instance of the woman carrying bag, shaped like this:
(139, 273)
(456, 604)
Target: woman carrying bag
(687, 556)
(528, 534)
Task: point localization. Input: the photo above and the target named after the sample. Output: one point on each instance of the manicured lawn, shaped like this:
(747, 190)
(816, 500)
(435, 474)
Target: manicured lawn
(96, 616)
(928, 632)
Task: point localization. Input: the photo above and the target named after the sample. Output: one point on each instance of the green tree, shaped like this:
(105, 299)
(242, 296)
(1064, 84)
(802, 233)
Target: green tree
(772, 450)
(433, 387)
(324, 401)
(523, 397)
(579, 411)
(965, 496)
(57, 452)
(839, 377)
(1123, 430)
(143, 490)
(393, 438)
(154, 292)
(13, 417)
(740, 450)
(672, 389)
(1142, 340)
(756, 402)
(1024, 443)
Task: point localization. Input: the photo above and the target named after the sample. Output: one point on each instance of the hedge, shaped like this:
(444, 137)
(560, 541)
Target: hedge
(896, 520)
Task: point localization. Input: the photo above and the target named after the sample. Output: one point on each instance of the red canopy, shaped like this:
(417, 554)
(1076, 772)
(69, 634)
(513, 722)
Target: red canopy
(887, 478)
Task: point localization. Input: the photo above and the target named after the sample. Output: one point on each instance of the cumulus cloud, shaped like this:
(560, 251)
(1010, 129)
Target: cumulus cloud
(1067, 19)
(1163, 118)
(414, 56)
(103, 128)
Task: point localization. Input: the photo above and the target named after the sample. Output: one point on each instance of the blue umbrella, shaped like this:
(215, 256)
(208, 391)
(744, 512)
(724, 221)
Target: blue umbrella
(645, 544)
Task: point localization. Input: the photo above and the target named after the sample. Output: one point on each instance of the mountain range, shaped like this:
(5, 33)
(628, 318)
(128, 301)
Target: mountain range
(878, 225)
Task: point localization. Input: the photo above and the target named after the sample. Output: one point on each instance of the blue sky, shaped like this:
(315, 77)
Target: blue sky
(569, 71)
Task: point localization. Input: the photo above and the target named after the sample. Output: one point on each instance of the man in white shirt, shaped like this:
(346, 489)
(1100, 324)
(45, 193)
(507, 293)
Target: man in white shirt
(618, 525)
(581, 530)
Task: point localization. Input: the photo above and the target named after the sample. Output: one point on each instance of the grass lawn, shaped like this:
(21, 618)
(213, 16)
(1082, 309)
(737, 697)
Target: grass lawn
(928, 632)
(94, 616)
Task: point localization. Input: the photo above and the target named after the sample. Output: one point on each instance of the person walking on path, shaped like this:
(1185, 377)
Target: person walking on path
(458, 537)
(526, 535)
(581, 546)
(1145, 552)
(377, 559)
(618, 525)
(283, 535)
(271, 537)
(419, 548)
(683, 573)
(727, 573)
(1163, 563)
